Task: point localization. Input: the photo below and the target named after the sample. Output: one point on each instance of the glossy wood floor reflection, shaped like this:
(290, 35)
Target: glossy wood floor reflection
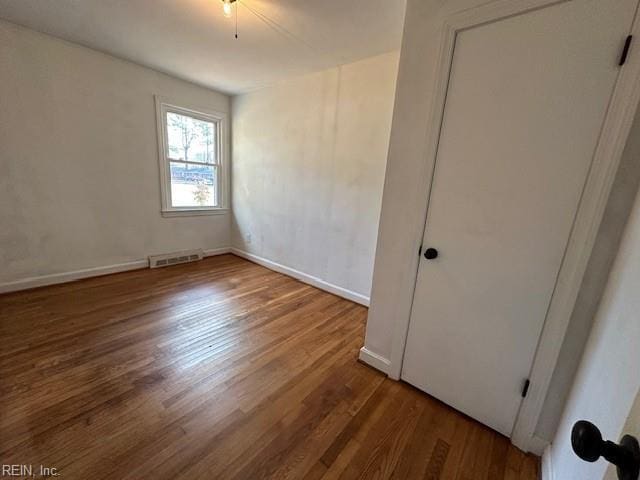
(218, 369)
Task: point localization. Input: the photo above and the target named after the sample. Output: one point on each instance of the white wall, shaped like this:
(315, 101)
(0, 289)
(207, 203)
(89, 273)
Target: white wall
(79, 181)
(404, 202)
(631, 427)
(308, 167)
(607, 382)
(595, 279)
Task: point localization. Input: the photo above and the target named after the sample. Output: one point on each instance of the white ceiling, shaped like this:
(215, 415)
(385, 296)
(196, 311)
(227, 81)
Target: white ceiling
(191, 39)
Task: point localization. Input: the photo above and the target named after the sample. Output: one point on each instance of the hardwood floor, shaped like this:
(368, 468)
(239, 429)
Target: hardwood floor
(218, 369)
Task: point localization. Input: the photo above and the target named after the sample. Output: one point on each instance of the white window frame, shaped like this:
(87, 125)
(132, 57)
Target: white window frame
(220, 120)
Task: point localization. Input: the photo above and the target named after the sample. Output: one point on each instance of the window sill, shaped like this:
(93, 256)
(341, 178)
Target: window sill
(194, 213)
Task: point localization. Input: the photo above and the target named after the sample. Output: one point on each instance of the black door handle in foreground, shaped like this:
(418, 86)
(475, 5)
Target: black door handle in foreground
(588, 444)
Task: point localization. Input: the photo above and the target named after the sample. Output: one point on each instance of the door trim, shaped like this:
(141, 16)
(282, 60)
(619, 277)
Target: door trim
(607, 154)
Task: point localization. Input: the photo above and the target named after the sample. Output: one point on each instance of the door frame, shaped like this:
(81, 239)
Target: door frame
(604, 165)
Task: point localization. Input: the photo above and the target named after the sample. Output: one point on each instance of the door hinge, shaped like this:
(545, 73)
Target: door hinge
(625, 50)
(525, 388)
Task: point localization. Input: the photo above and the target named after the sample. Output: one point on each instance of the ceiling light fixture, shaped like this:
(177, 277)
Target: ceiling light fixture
(227, 7)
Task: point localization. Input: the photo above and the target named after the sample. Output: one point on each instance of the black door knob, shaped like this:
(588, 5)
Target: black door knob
(430, 253)
(588, 444)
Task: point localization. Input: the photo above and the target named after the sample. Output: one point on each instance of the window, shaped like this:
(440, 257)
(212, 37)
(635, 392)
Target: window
(192, 145)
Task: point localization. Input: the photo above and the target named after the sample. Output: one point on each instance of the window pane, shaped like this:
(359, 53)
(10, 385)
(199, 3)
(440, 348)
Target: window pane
(191, 139)
(193, 185)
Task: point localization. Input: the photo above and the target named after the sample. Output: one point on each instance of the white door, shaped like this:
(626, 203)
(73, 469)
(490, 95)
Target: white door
(526, 100)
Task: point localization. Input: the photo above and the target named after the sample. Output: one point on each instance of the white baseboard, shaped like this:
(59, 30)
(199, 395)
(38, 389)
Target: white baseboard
(374, 360)
(537, 445)
(55, 278)
(303, 277)
(65, 277)
(216, 251)
(546, 470)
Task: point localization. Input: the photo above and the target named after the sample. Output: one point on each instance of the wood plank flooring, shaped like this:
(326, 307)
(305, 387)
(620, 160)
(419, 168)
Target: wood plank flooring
(219, 369)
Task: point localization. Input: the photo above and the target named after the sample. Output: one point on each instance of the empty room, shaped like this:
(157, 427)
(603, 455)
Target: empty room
(320, 239)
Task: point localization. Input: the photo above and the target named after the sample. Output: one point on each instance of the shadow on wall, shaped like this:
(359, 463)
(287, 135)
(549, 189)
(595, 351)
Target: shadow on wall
(615, 218)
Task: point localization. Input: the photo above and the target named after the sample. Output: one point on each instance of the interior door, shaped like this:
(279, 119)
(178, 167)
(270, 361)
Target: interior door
(526, 100)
